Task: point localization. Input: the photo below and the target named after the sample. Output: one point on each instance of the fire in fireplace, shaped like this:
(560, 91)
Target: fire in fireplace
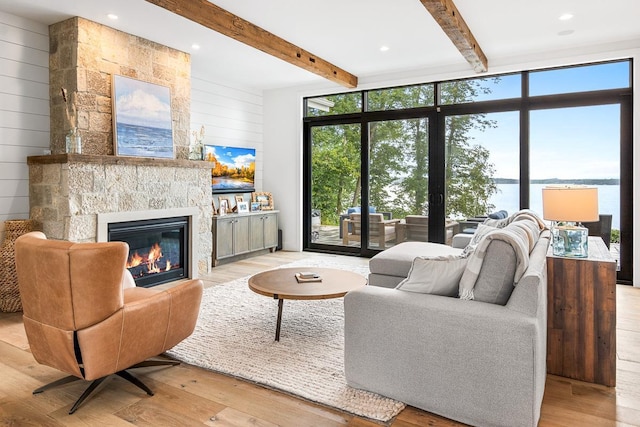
(158, 248)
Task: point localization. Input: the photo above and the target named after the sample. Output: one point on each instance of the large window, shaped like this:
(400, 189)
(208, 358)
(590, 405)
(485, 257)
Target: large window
(437, 153)
(577, 145)
(482, 168)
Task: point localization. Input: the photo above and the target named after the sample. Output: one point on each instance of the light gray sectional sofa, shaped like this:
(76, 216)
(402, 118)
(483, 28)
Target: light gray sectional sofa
(476, 362)
(390, 267)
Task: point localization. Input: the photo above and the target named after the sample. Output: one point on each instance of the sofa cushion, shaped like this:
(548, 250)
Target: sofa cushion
(499, 214)
(438, 275)
(497, 265)
(495, 281)
(397, 260)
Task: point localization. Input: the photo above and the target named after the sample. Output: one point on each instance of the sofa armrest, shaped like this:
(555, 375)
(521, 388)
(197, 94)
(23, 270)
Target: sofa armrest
(465, 360)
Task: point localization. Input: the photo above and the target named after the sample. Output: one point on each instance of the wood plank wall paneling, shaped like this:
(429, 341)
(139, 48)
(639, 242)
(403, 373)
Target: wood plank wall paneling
(231, 114)
(24, 109)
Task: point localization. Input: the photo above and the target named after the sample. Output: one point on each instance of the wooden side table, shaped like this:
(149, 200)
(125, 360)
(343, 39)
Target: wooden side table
(581, 324)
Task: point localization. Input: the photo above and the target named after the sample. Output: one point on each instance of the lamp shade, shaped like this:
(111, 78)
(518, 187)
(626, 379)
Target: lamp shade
(574, 203)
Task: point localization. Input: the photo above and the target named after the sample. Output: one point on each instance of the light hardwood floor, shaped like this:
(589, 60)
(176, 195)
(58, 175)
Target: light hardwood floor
(185, 395)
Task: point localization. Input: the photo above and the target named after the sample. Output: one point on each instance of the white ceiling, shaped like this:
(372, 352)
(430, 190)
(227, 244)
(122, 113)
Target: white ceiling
(349, 33)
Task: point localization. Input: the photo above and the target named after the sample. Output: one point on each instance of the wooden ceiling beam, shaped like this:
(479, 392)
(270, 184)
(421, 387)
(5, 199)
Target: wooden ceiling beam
(448, 17)
(215, 18)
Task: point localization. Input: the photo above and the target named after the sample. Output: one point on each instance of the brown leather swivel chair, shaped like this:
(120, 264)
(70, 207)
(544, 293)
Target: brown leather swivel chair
(80, 319)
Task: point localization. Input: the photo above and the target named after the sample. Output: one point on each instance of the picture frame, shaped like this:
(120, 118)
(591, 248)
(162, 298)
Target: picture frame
(239, 199)
(142, 124)
(224, 207)
(233, 170)
(243, 207)
(255, 207)
(264, 199)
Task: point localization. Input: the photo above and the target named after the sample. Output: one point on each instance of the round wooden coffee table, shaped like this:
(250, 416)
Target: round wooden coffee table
(281, 284)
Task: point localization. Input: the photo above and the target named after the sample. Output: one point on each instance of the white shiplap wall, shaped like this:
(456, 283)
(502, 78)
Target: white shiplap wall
(24, 109)
(231, 116)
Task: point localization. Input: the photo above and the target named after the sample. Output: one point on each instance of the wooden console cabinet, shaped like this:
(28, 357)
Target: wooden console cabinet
(581, 324)
(238, 234)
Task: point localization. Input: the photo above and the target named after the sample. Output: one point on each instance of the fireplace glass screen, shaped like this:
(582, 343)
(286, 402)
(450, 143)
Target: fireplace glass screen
(158, 248)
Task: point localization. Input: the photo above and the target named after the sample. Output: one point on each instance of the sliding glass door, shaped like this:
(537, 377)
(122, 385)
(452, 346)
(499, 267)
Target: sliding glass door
(335, 183)
(398, 181)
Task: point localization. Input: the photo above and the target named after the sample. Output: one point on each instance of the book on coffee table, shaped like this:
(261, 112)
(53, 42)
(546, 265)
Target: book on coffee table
(305, 276)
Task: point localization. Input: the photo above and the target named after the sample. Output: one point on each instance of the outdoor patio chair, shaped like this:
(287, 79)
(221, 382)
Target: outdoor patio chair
(380, 230)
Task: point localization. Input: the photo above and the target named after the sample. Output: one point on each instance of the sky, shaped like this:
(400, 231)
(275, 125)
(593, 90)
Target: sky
(142, 104)
(233, 156)
(581, 142)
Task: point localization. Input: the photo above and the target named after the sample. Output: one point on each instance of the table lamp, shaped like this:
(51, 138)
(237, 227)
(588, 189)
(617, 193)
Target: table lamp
(566, 206)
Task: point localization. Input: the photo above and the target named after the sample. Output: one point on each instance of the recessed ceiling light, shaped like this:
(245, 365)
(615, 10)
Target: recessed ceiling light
(565, 32)
(565, 16)
(195, 46)
(384, 48)
(112, 16)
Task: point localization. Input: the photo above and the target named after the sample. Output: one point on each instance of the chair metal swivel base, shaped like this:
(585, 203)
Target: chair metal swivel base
(95, 383)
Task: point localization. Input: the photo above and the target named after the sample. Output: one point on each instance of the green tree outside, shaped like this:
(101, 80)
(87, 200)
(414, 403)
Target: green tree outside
(398, 157)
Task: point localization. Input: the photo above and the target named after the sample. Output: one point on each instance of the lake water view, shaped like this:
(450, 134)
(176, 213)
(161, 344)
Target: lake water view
(144, 141)
(508, 198)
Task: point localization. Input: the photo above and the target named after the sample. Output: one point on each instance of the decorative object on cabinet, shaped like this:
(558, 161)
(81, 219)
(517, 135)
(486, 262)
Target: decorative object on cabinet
(224, 207)
(234, 168)
(150, 120)
(243, 207)
(255, 206)
(264, 199)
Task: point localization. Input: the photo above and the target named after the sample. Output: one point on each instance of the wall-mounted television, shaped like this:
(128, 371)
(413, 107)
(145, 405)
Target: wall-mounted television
(234, 170)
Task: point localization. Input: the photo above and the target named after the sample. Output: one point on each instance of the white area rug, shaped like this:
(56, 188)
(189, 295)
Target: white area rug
(235, 335)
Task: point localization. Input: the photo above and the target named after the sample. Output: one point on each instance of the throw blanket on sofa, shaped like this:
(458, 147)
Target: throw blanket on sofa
(516, 237)
(524, 214)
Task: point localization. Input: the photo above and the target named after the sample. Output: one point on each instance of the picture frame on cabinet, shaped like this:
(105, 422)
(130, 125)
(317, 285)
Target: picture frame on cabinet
(224, 207)
(264, 199)
(243, 207)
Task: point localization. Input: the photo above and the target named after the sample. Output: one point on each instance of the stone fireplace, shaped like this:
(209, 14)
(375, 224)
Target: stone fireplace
(70, 195)
(74, 196)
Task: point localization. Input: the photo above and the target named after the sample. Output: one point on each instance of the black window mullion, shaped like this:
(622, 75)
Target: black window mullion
(625, 274)
(525, 197)
(437, 178)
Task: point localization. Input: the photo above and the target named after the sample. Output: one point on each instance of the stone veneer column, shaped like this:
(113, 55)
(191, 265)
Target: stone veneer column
(83, 57)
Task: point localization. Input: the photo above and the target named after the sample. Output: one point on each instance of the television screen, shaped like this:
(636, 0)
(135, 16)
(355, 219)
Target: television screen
(234, 169)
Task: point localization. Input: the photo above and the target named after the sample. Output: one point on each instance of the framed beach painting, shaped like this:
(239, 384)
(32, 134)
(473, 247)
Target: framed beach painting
(234, 168)
(142, 124)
